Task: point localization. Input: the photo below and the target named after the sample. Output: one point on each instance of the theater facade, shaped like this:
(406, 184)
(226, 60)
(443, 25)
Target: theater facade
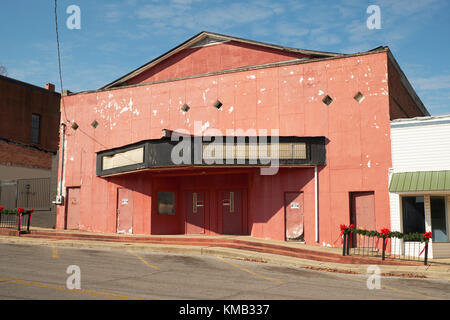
(223, 135)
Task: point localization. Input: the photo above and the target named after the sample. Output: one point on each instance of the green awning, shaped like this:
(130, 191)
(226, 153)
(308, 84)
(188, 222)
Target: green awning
(420, 181)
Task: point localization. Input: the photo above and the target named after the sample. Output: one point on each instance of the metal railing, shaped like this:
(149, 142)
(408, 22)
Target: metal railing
(15, 220)
(397, 246)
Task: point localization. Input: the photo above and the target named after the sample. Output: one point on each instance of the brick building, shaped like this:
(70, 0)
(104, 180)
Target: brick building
(327, 114)
(29, 137)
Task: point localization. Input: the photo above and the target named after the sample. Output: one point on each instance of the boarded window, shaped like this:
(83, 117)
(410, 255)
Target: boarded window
(413, 213)
(35, 128)
(122, 159)
(166, 203)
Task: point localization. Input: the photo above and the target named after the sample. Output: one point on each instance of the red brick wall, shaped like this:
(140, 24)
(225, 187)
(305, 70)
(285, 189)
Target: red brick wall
(18, 101)
(13, 155)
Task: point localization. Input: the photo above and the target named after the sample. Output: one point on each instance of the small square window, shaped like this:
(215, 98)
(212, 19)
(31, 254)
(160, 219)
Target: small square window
(327, 100)
(218, 104)
(185, 108)
(166, 203)
(359, 97)
(74, 126)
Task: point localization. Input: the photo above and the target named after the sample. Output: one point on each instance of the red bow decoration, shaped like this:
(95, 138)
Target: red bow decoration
(385, 232)
(20, 210)
(343, 228)
(352, 226)
(1, 208)
(428, 236)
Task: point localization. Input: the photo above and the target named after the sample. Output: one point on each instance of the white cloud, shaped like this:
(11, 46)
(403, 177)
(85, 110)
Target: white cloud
(437, 82)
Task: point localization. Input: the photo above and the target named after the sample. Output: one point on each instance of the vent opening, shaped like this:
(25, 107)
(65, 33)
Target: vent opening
(359, 97)
(218, 104)
(327, 100)
(185, 108)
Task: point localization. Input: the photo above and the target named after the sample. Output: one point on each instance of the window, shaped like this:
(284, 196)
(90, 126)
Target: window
(359, 97)
(327, 100)
(35, 128)
(413, 212)
(166, 203)
(438, 219)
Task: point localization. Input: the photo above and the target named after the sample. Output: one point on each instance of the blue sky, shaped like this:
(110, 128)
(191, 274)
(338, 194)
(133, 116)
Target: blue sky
(117, 36)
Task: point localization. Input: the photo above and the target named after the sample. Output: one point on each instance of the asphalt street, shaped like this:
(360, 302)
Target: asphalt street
(40, 272)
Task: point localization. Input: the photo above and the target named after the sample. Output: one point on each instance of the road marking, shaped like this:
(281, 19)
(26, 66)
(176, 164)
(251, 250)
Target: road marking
(38, 284)
(55, 253)
(143, 260)
(250, 271)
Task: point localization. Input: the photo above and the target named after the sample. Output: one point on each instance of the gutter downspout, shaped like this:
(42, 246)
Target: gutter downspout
(316, 206)
(63, 125)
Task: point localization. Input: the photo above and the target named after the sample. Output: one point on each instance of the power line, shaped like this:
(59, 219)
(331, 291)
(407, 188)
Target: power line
(59, 58)
(61, 81)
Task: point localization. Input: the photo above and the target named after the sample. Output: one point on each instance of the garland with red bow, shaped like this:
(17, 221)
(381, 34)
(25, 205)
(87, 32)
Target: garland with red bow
(18, 211)
(345, 229)
(23, 211)
(386, 233)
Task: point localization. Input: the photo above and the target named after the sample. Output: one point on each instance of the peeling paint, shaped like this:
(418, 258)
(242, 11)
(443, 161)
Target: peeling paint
(205, 126)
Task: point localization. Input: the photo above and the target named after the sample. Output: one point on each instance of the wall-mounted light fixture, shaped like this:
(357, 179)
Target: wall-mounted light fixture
(74, 126)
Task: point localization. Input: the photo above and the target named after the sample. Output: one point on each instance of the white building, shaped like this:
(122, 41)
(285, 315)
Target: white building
(420, 179)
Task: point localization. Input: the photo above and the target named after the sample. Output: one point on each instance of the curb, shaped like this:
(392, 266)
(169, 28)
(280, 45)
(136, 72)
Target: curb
(240, 254)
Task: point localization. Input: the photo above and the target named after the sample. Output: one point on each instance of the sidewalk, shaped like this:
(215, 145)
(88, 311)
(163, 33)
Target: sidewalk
(237, 247)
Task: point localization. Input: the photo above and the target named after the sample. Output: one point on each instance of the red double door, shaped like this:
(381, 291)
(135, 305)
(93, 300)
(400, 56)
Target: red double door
(228, 207)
